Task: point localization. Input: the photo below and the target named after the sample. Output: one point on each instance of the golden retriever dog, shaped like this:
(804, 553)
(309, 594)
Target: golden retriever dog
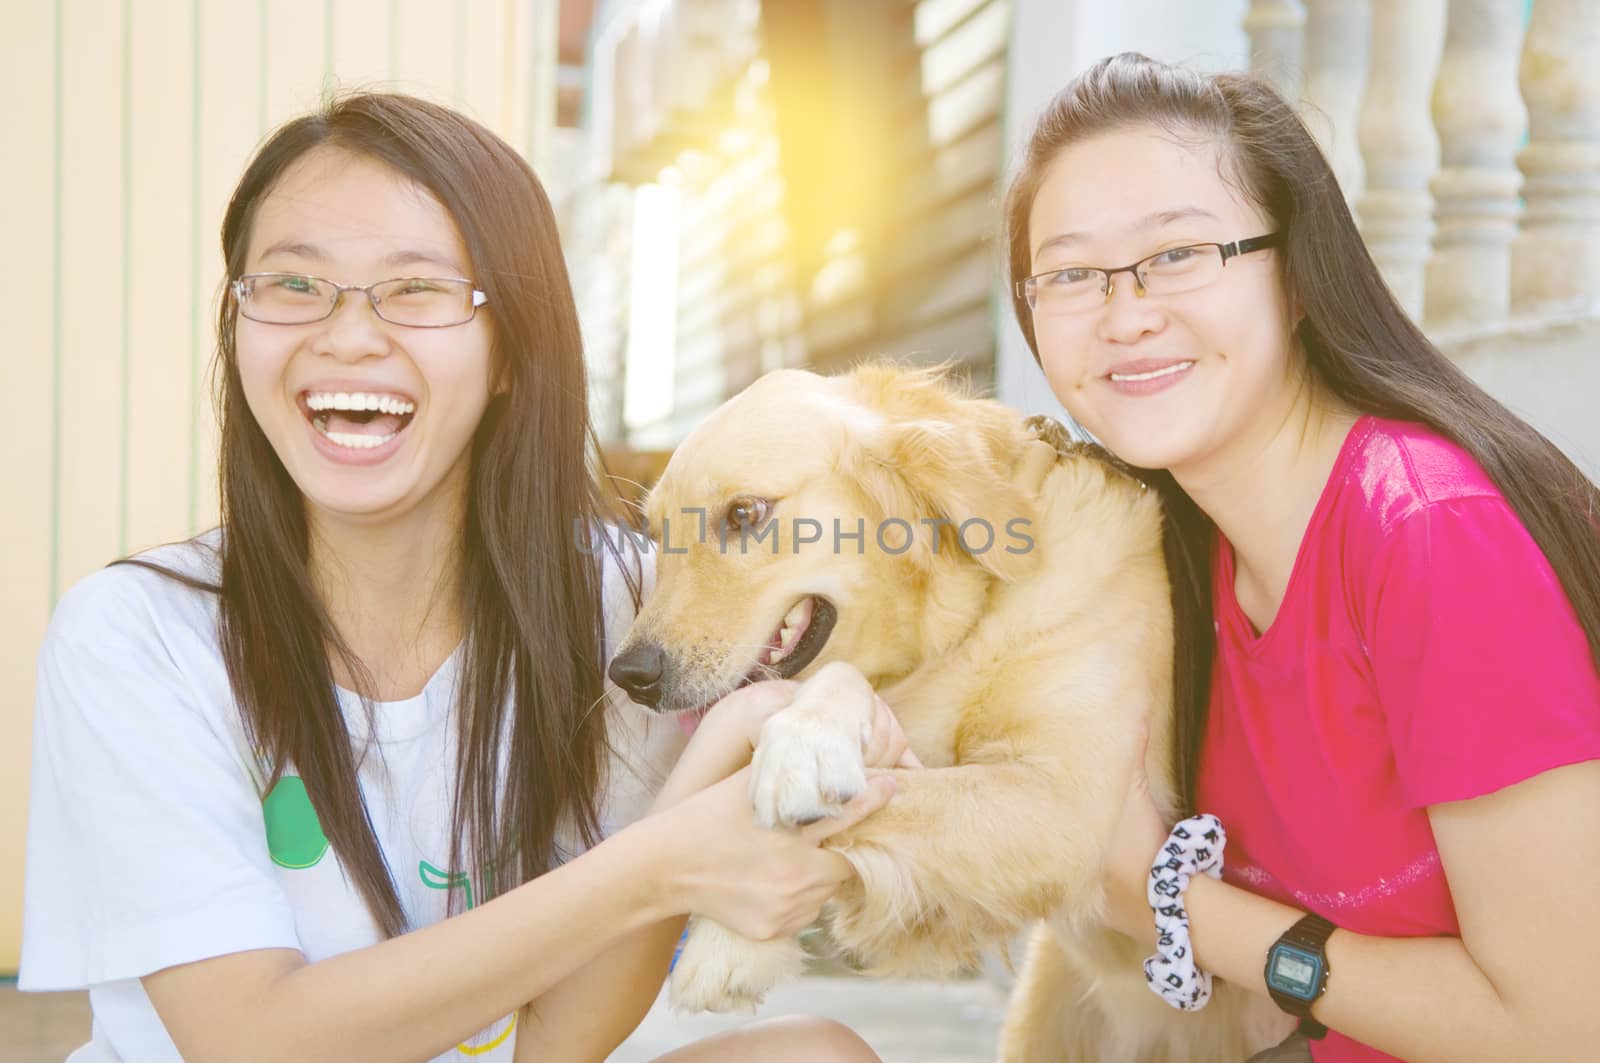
(1005, 591)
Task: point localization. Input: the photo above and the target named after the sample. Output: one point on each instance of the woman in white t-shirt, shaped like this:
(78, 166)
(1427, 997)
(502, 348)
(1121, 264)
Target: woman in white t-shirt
(239, 855)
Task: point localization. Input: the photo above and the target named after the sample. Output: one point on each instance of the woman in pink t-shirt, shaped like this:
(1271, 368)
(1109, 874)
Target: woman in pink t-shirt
(1387, 587)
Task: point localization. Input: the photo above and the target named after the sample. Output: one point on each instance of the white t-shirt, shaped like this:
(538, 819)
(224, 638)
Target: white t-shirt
(151, 844)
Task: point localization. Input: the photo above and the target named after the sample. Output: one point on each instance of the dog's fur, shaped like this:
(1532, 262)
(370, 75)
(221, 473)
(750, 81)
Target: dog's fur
(1022, 678)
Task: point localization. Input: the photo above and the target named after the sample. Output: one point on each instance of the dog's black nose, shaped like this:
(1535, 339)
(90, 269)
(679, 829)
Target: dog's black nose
(638, 671)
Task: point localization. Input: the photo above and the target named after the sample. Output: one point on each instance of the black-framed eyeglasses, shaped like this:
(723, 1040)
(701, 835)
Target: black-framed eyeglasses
(298, 299)
(1169, 272)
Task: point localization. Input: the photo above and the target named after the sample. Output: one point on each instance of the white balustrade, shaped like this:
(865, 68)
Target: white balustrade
(1398, 142)
(1275, 28)
(1335, 70)
(1555, 258)
(1481, 121)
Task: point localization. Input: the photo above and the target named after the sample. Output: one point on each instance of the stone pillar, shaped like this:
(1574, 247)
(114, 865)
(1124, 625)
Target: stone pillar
(1398, 143)
(1478, 112)
(1555, 259)
(1335, 70)
(1276, 28)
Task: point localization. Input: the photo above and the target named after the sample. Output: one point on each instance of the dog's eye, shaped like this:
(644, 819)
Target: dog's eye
(746, 513)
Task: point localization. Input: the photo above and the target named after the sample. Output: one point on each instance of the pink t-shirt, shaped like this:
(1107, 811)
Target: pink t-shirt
(1424, 652)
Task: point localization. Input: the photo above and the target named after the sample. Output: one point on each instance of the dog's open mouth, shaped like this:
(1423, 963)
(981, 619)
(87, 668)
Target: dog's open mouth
(798, 639)
(795, 643)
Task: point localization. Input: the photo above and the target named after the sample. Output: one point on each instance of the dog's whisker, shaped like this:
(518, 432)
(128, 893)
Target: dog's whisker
(759, 647)
(596, 703)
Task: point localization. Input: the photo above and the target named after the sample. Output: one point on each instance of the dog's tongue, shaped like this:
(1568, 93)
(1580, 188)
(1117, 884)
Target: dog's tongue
(689, 722)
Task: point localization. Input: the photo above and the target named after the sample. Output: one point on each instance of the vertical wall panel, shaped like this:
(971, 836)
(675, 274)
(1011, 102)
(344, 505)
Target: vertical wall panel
(232, 80)
(201, 486)
(91, 418)
(458, 51)
(28, 213)
(295, 59)
(425, 32)
(361, 43)
(484, 64)
(518, 16)
(160, 275)
(539, 62)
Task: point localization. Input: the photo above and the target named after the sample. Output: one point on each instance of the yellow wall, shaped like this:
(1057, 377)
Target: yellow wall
(126, 126)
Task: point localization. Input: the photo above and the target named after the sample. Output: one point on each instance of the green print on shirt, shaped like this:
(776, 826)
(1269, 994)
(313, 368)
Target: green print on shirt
(294, 834)
(436, 879)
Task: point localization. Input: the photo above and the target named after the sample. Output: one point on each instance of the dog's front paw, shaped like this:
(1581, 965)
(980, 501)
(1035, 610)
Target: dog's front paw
(720, 971)
(807, 766)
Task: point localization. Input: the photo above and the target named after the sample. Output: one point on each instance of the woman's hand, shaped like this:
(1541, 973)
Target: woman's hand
(725, 738)
(1139, 835)
(763, 884)
(887, 747)
(733, 725)
(746, 710)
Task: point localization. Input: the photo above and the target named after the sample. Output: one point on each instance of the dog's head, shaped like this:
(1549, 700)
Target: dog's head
(857, 517)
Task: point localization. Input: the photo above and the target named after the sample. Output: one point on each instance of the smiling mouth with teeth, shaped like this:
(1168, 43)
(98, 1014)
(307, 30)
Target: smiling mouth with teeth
(1154, 374)
(357, 420)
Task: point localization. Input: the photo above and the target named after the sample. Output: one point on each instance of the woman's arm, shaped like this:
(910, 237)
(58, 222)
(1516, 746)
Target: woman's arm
(595, 1009)
(414, 996)
(590, 1013)
(1521, 864)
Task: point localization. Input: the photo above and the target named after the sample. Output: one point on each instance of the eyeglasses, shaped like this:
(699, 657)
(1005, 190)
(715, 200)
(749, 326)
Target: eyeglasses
(417, 302)
(1177, 269)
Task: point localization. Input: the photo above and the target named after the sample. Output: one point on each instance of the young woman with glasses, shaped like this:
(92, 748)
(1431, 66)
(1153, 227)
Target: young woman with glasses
(339, 780)
(1386, 586)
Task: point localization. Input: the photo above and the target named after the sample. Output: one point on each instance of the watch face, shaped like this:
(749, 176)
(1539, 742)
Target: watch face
(1294, 971)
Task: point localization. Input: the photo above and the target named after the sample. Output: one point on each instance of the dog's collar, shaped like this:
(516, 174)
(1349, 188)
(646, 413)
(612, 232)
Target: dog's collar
(1053, 434)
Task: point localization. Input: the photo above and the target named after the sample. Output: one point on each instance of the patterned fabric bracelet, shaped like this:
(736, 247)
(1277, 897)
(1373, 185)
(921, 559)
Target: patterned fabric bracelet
(1195, 845)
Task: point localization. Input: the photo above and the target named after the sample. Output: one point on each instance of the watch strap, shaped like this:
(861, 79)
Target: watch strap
(1311, 932)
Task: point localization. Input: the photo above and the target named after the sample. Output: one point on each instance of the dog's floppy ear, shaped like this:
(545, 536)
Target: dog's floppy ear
(958, 473)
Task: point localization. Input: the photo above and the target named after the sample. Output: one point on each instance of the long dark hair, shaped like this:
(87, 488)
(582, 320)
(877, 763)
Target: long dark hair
(532, 734)
(1357, 341)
